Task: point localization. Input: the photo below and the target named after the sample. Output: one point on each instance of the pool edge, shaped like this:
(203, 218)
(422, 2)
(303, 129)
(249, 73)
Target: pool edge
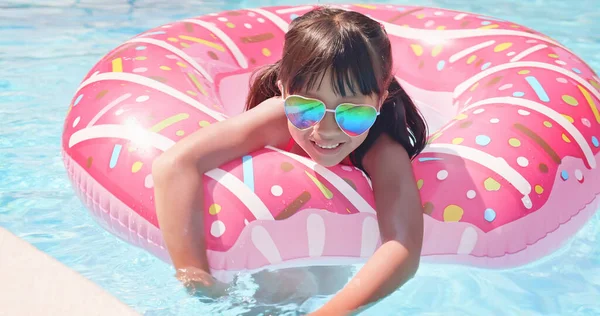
(34, 283)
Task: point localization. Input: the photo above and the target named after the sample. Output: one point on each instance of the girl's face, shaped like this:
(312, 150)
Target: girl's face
(325, 142)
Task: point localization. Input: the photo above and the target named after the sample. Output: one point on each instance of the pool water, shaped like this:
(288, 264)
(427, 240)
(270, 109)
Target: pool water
(46, 47)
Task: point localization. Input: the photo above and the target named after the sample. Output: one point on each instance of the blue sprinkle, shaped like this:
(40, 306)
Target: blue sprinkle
(576, 70)
(486, 65)
(489, 215)
(293, 16)
(537, 87)
(115, 156)
(140, 48)
(441, 64)
(400, 9)
(486, 23)
(564, 175)
(482, 140)
(518, 94)
(595, 141)
(429, 159)
(78, 99)
(248, 170)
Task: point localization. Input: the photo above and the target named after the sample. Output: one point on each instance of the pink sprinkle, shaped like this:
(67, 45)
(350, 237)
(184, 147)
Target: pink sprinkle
(506, 86)
(561, 80)
(429, 23)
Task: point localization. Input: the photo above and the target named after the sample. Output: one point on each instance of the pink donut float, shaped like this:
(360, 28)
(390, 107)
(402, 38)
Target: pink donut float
(509, 175)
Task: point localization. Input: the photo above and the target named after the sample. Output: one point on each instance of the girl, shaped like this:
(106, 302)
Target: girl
(332, 97)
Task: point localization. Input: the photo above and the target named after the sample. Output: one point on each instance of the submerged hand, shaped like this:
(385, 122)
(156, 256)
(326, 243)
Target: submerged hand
(200, 282)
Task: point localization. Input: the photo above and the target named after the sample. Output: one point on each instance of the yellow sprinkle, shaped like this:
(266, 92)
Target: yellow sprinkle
(405, 25)
(190, 92)
(434, 137)
(436, 50)
(419, 184)
(197, 83)
(230, 25)
(590, 101)
(460, 116)
(491, 185)
(202, 41)
(491, 26)
(347, 210)
(547, 124)
(570, 119)
(501, 47)
(457, 140)
(168, 122)
(417, 49)
(420, 16)
(552, 55)
(441, 27)
(523, 72)
(180, 133)
(471, 59)
(539, 189)
(595, 84)
(165, 68)
(515, 26)
(186, 45)
(136, 166)
(117, 65)
(514, 142)
(182, 65)
(203, 123)
(141, 58)
(214, 209)
(266, 52)
(328, 195)
(453, 213)
(565, 138)
(366, 6)
(570, 100)
(474, 86)
(172, 39)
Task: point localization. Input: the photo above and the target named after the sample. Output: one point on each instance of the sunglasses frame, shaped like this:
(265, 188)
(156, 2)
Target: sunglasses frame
(330, 111)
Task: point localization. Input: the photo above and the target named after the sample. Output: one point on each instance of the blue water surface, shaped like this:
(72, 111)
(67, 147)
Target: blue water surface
(47, 46)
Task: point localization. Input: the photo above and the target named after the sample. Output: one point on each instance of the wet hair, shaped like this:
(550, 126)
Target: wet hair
(357, 51)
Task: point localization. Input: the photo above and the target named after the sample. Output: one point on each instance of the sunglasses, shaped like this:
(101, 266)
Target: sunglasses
(353, 119)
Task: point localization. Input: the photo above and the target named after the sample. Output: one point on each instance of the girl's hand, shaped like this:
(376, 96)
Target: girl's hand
(200, 282)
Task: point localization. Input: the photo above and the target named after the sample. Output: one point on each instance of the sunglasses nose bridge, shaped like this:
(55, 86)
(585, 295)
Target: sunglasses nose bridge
(327, 126)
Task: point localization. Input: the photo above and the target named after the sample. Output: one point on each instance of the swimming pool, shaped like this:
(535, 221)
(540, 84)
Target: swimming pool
(48, 47)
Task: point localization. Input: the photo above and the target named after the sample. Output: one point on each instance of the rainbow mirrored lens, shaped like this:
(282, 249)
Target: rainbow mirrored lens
(355, 119)
(304, 113)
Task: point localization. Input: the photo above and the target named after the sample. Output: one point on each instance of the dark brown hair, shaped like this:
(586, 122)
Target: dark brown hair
(357, 50)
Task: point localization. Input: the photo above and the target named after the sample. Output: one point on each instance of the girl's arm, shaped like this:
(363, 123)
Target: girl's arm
(177, 175)
(400, 217)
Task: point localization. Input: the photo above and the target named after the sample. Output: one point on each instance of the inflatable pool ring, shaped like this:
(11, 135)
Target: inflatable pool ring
(509, 175)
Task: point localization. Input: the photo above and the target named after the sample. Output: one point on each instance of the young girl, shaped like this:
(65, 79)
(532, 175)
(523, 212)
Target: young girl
(332, 97)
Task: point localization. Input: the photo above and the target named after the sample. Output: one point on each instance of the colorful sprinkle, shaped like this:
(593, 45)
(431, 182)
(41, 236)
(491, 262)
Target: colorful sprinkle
(491, 184)
(442, 175)
(149, 181)
(78, 99)
(547, 124)
(203, 42)
(471, 194)
(478, 111)
(168, 122)
(482, 140)
(165, 68)
(494, 120)
(140, 69)
(114, 157)
(489, 215)
(576, 70)
(117, 65)
(586, 122)
(417, 49)
(522, 161)
(248, 25)
(140, 48)
(591, 103)
(505, 86)
(293, 16)
(142, 98)
(560, 62)
(420, 184)
(564, 175)
(471, 59)
(217, 228)
(214, 209)
(595, 141)
(566, 138)
(453, 213)
(276, 190)
(543, 168)
(266, 52)
(89, 162)
(502, 47)
(440, 65)
(523, 112)
(578, 175)
(486, 65)
(286, 166)
(537, 87)
(523, 72)
(230, 25)
(203, 123)
(248, 171)
(552, 55)
(197, 83)
(514, 142)
(539, 189)
(326, 192)
(570, 119)
(76, 121)
(136, 166)
(457, 140)
(561, 80)
(569, 100)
